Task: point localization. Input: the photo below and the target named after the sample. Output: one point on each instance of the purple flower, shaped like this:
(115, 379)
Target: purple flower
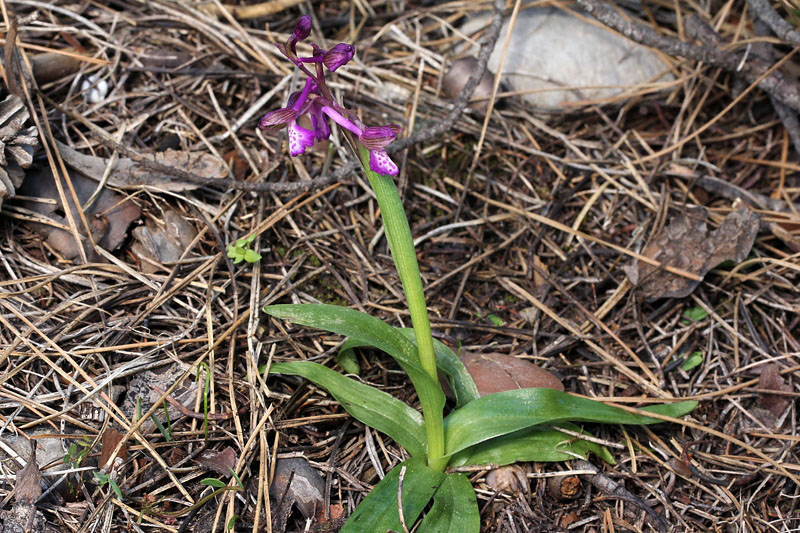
(280, 118)
(338, 56)
(316, 101)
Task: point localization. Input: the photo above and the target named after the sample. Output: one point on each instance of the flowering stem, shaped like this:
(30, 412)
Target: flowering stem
(398, 234)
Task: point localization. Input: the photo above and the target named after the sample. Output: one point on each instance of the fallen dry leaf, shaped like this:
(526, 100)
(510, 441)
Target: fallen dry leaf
(496, 372)
(109, 215)
(109, 441)
(28, 485)
(771, 379)
(130, 174)
(687, 244)
(162, 244)
(296, 482)
(221, 462)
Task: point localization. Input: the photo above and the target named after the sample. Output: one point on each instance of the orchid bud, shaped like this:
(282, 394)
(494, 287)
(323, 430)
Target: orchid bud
(338, 55)
(301, 31)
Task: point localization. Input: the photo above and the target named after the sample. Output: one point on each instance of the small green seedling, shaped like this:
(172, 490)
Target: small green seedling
(77, 452)
(103, 479)
(241, 251)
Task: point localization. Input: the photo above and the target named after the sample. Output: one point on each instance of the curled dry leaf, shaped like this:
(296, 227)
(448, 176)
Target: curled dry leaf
(296, 482)
(687, 244)
(130, 174)
(497, 372)
(163, 244)
(108, 216)
(221, 462)
(771, 379)
(511, 479)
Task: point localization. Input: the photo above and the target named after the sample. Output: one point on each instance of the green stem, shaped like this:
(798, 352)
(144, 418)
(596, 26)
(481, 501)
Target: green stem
(398, 234)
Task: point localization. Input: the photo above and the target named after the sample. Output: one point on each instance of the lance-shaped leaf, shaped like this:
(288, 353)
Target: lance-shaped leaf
(380, 511)
(448, 363)
(505, 412)
(540, 444)
(367, 404)
(373, 332)
(455, 508)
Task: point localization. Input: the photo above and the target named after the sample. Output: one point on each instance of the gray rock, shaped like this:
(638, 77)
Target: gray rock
(565, 59)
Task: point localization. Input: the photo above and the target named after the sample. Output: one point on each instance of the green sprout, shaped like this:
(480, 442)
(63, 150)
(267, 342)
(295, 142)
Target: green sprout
(241, 251)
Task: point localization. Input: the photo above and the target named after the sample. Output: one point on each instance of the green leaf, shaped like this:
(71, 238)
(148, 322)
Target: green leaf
(251, 256)
(115, 488)
(237, 478)
(495, 320)
(505, 412)
(457, 375)
(241, 243)
(379, 510)
(231, 251)
(213, 482)
(694, 360)
(695, 313)
(539, 444)
(232, 522)
(455, 508)
(347, 358)
(373, 332)
(371, 406)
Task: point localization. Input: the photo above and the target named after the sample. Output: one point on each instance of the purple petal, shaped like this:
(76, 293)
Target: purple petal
(322, 130)
(342, 120)
(278, 119)
(377, 137)
(299, 139)
(338, 56)
(380, 162)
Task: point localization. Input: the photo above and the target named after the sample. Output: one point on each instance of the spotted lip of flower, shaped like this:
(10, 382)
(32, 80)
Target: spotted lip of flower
(338, 55)
(375, 139)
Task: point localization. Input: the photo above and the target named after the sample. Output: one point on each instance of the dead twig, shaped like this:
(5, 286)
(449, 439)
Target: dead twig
(775, 83)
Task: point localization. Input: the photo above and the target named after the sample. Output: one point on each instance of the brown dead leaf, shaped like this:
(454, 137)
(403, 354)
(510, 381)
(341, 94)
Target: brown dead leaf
(109, 215)
(221, 462)
(28, 485)
(238, 165)
(109, 441)
(497, 372)
(297, 482)
(130, 174)
(771, 379)
(687, 244)
(163, 244)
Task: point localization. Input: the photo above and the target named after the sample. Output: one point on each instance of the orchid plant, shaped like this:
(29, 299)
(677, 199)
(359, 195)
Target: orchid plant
(497, 429)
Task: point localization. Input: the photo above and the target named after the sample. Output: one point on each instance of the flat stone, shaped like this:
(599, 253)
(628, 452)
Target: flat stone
(566, 59)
